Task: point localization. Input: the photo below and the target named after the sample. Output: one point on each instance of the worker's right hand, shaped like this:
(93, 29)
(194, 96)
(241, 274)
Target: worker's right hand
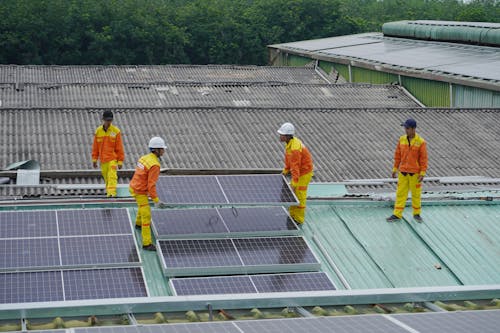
(394, 174)
(94, 164)
(160, 205)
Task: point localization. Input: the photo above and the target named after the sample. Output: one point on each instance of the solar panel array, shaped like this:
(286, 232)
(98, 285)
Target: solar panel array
(264, 283)
(227, 189)
(57, 255)
(198, 257)
(484, 321)
(222, 222)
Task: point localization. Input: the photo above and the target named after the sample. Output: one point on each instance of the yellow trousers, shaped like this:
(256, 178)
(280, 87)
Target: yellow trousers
(143, 217)
(298, 213)
(405, 184)
(108, 171)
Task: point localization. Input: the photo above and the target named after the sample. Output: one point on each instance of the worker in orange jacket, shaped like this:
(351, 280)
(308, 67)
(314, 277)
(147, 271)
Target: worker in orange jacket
(298, 163)
(108, 149)
(410, 160)
(143, 184)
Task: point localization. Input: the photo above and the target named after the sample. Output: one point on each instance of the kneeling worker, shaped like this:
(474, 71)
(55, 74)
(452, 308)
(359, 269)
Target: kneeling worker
(143, 183)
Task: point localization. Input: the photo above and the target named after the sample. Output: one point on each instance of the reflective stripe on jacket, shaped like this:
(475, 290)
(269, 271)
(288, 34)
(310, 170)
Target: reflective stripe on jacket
(298, 159)
(411, 156)
(145, 176)
(108, 145)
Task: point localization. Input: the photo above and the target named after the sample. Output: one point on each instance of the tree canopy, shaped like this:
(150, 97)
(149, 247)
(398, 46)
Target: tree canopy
(72, 32)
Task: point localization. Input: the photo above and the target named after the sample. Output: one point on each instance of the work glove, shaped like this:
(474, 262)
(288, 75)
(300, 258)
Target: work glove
(160, 205)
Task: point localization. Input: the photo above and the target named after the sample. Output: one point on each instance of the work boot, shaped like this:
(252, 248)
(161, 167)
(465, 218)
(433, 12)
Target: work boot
(418, 218)
(150, 247)
(138, 227)
(392, 218)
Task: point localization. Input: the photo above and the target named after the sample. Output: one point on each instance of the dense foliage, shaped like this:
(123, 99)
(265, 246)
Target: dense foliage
(198, 31)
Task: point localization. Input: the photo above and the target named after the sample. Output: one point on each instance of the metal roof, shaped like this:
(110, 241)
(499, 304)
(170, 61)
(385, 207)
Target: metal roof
(135, 95)
(427, 59)
(345, 143)
(42, 74)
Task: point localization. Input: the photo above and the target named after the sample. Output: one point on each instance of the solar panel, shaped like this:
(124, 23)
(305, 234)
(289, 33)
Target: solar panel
(27, 224)
(265, 283)
(465, 321)
(270, 283)
(245, 255)
(25, 287)
(190, 190)
(234, 189)
(219, 222)
(30, 252)
(104, 283)
(99, 250)
(197, 257)
(274, 251)
(212, 285)
(258, 219)
(205, 327)
(93, 222)
(180, 222)
(251, 189)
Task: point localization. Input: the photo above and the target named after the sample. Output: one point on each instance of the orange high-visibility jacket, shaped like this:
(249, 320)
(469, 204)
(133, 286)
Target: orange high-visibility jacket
(411, 156)
(108, 145)
(145, 176)
(298, 159)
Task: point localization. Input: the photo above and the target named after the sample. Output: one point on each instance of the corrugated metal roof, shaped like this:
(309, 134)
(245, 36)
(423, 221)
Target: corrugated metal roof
(456, 244)
(155, 74)
(345, 143)
(202, 95)
(430, 59)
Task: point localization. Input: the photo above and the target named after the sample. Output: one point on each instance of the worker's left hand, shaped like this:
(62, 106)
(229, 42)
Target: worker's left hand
(420, 178)
(120, 166)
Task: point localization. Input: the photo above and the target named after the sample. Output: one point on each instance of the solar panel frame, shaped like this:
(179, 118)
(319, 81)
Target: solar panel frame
(239, 284)
(29, 254)
(230, 254)
(223, 222)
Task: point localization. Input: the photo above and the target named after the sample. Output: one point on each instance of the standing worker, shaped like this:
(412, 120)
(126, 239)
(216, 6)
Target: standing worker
(298, 162)
(108, 149)
(410, 159)
(143, 183)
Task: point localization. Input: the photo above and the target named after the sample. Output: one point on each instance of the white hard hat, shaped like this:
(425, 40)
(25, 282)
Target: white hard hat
(157, 142)
(287, 129)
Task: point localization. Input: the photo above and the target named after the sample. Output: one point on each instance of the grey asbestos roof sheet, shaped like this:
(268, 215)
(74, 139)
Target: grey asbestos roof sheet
(345, 143)
(135, 95)
(155, 74)
(463, 61)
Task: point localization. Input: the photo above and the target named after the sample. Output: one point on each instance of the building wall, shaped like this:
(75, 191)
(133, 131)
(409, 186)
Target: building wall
(471, 97)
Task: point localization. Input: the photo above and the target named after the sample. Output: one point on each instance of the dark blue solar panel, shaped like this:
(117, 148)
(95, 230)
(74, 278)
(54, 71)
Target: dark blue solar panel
(249, 189)
(28, 224)
(292, 282)
(98, 250)
(252, 219)
(187, 221)
(104, 283)
(213, 285)
(199, 253)
(25, 287)
(93, 222)
(190, 190)
(274, 251)
(24, 253)
(464, 321)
